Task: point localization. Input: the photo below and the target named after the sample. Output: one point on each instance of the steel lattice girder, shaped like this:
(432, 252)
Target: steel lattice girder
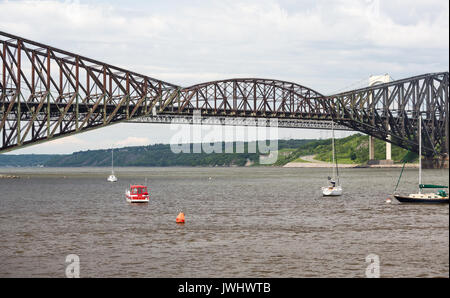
(47, 93)
(391, 111)
(249, 97)
(238, 121)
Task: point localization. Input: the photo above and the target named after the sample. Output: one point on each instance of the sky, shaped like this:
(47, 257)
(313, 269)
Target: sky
(329, 46)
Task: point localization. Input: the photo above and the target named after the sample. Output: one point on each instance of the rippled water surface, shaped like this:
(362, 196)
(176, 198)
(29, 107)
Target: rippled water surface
(243, 222)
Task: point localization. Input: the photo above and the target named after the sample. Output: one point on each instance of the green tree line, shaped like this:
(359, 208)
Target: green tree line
(352, 149)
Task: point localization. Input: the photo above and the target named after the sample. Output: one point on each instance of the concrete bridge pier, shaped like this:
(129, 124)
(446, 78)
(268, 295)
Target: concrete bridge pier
(372, 160)
(388, 150)
(371, 148)
(374, 80)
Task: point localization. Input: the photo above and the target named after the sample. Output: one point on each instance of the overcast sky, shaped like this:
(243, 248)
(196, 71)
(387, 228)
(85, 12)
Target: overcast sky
(326, 45)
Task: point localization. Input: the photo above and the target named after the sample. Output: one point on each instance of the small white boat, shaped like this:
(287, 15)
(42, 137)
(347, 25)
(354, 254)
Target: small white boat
(112, 177)
(333, 189)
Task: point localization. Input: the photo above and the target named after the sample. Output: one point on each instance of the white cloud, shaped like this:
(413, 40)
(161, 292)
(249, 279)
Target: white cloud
(70, 140)
(189, 42)
(133, 141)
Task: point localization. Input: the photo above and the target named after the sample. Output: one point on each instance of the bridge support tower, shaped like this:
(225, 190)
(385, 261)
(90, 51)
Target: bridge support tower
(374, 80)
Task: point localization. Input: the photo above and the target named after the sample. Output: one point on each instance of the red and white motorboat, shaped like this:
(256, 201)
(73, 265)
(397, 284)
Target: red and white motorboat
(137, 194)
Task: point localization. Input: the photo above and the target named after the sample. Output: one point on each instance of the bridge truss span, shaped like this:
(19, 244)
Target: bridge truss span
(238, 121)
(391, 111)
(249, 97)
(48, 93)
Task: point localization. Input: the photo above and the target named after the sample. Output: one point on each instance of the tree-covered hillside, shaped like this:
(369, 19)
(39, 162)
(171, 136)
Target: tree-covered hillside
(161, 155)
(352, 149)
(24, 160)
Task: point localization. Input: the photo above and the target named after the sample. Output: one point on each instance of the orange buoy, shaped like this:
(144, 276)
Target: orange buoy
(180, 218)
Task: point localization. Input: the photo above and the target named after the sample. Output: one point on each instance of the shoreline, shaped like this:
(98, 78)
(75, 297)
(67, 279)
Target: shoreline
(313, 163)
(25, 172)
(326, 165)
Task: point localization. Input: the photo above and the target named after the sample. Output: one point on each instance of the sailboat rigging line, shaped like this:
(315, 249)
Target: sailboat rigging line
(332, 151)
(334, 155)
(337, 170)
(112, 161)
(420, 152)
(401, 173)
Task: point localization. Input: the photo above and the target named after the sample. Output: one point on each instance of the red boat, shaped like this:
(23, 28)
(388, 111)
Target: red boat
(137, 194)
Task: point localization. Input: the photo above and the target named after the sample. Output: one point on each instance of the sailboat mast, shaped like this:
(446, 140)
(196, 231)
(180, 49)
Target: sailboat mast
(420, 152)
(332, 144)
(112, 161)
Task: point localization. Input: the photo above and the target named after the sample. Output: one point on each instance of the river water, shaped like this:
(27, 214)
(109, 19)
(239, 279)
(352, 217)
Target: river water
(240, 222)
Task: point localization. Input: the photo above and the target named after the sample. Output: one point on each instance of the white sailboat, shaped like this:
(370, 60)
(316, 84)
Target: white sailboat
(334, 189)
(112, 177)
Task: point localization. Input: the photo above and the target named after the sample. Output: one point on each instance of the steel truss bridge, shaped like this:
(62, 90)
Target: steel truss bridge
(47, 93)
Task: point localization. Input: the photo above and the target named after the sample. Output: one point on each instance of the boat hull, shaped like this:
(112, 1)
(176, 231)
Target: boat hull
(112, 179)
(130, 200)
(331, 191)
(406, 199)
